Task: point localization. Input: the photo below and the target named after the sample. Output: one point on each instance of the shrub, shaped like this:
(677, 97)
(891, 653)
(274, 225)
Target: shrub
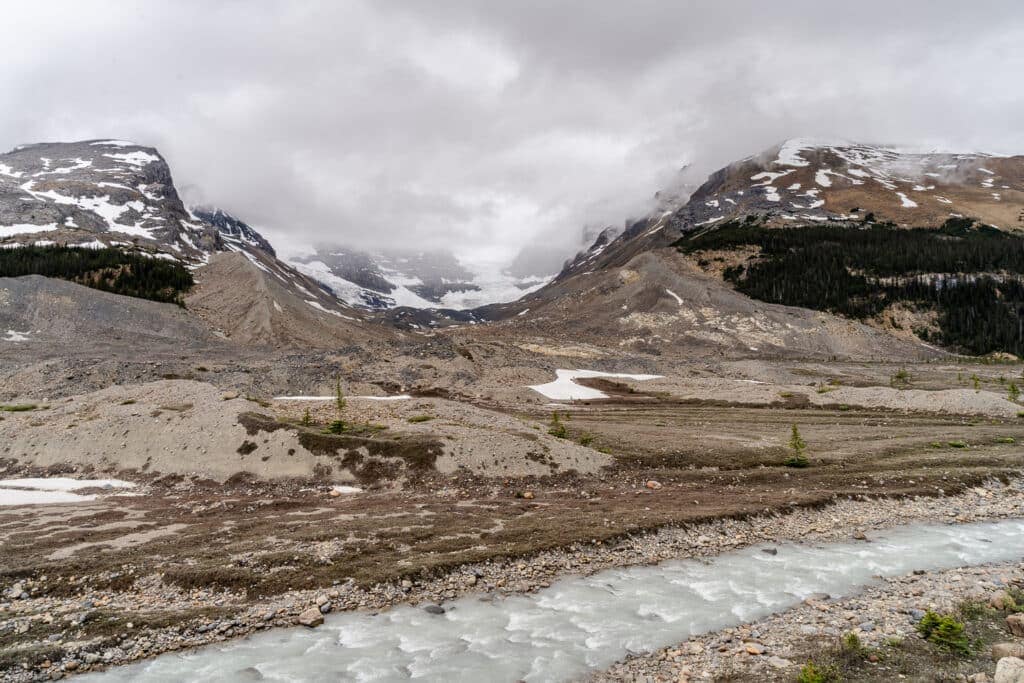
(586, 439)
(900, 379)
(945, 632)
(813, 673)
(421, 418)
(556, 427)
(797, 445)
(1014, 600)
(1013, 392)
(335, 427)
(957, 444)
(307, 419)
(852, 645)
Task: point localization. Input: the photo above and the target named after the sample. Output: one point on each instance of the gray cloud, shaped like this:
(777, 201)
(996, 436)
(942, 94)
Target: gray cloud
(483, 126)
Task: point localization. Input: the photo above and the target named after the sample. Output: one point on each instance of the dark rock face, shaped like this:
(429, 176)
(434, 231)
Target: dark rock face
(232, 229)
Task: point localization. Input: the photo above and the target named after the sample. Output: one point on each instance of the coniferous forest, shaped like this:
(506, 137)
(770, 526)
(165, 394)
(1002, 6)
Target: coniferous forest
(971, 277)
(130, 273)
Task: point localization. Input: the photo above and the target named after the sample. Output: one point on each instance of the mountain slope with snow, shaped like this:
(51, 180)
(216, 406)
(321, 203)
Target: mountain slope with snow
(656, 286)
(422, 279)
(112, 193)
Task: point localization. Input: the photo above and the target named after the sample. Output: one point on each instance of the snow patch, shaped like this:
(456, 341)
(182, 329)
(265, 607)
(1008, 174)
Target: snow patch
(39, 491)
(563, 388)
(675, 296)
(25, 229)
(907, 202)
(136, 158)
(15, 336)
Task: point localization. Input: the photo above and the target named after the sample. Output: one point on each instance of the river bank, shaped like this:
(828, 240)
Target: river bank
(209, 617)
(882, 618)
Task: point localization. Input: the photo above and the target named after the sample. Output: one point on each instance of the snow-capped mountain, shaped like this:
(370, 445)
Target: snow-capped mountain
(394, 278)
(107, 192)
(232, 230)
(112, 193)
(805, 180)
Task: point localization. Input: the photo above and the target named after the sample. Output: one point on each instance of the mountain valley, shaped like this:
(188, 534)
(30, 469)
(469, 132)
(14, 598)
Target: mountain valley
(822, 341)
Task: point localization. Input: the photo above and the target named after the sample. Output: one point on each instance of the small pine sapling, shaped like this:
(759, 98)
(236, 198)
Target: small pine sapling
(797, 446)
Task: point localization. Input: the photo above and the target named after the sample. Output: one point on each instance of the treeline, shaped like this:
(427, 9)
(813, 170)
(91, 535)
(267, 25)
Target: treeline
(130, 273)
(971, 277)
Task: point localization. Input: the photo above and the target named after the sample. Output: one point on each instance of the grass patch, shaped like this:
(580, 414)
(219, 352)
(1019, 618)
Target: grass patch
(17, 407)
(420, 418)
(957, 444)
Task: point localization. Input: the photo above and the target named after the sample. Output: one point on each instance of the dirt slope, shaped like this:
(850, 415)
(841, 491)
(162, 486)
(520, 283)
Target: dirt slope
(57, 312)
(661, 303)
(252, 302)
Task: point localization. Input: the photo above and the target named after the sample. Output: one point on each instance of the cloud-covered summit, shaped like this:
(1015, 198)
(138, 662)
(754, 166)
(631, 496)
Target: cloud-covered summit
(483, 127)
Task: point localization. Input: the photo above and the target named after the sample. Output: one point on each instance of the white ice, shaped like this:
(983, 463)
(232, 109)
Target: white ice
(565, 389)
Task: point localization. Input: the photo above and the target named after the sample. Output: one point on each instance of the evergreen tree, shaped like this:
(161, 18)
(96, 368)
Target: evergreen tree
(797, 446)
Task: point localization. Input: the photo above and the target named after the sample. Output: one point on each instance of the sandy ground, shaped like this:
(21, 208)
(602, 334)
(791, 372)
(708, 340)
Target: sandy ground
(193, 428)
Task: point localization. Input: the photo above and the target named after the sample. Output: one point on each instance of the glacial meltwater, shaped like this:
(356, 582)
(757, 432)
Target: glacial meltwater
(579, 624)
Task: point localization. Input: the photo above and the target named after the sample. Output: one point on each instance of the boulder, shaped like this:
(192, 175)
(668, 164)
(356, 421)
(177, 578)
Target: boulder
(311, 617)
(1010, 670)
(1015, 622)
(1000, 600)
(1000, 650)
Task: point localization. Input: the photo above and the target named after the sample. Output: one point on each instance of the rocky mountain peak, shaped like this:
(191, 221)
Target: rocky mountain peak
(807, 180)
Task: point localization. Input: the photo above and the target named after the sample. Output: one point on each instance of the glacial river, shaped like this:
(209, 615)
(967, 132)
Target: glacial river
(579, 624)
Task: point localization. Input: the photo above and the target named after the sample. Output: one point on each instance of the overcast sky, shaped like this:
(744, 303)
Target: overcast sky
(483, 125)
